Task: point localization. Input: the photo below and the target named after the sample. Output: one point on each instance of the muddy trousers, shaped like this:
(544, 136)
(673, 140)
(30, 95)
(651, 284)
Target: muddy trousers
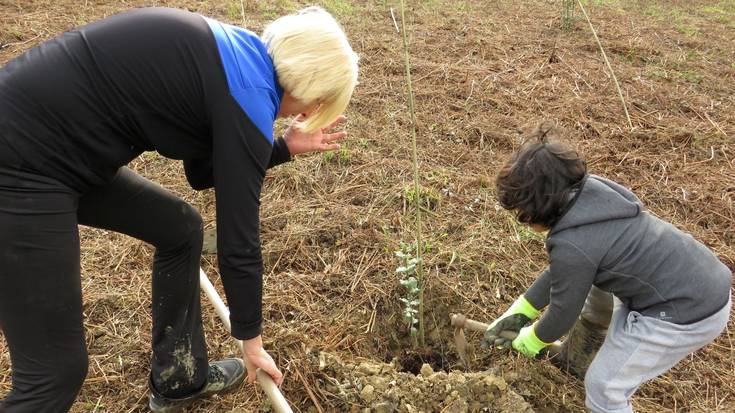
(587, 334)
(40, 286)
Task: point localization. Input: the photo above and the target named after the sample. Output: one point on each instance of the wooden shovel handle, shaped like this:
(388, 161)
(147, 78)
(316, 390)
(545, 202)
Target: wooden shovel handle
(460, 321)
(278, 402)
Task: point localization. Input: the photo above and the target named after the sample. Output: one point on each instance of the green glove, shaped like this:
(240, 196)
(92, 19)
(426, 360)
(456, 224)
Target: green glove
(520, 313)
(528, 343)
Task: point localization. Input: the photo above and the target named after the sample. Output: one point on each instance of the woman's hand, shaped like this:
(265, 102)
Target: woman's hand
(319, 141)
(256, 357)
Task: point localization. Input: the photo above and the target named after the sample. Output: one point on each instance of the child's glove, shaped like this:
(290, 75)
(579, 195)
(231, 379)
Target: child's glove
(528, 343)
(520, 313)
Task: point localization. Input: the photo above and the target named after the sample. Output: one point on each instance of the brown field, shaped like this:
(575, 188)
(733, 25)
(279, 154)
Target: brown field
(484, 72)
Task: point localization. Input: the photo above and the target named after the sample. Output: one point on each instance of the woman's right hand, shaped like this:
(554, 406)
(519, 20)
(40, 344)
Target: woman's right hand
(299, 142)
(256, 357)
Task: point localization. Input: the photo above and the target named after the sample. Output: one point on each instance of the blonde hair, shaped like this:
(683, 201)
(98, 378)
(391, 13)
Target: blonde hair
(314, 62)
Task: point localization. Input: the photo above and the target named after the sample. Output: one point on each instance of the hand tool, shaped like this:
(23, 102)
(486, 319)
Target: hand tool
(278, 402)
(460, 322)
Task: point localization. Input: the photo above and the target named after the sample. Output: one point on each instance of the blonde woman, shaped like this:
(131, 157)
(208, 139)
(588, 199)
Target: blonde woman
(75, 109)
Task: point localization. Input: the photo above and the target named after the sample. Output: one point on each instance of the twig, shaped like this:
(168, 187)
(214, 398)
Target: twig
(242, 10)
(309, 392)
(715, 125)
(419, 244)
(393, 16)
(607, 62)
(3, 46)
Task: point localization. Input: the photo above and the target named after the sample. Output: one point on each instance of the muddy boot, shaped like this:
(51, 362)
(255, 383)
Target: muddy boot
(587, 334)
(580, 348)
(224, 376)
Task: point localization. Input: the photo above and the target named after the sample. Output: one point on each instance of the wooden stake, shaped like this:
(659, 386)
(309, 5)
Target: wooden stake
(607, 62)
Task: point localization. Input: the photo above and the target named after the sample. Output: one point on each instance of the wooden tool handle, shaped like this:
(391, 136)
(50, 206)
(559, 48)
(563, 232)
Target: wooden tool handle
(278, 402)
(460, 321)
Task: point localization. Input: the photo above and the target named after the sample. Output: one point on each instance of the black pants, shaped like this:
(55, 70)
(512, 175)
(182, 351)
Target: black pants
(40, 288)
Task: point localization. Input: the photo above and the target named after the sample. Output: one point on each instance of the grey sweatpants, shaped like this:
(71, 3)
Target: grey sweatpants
(637, 349)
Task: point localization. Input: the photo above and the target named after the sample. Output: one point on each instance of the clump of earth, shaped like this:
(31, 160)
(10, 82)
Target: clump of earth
(373, 387)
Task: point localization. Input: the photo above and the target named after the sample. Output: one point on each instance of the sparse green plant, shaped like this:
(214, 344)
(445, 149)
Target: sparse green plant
(438, 177)
(234, 10)
(328, 156)
(421, 340)
(654, 11)
(344, 156)
(340, 7)
(662, 74)
(425, 198)
(341, 156)
(687, 30)
(690, 76)
(411, 300)
(567, 14)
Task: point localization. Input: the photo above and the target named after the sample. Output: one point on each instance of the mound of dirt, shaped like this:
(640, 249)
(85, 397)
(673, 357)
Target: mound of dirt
(372, 387)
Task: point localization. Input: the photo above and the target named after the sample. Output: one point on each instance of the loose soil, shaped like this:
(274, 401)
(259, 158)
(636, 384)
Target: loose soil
(367, 386)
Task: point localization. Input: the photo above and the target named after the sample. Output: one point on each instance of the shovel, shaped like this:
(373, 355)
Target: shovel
(460, 322)
(278, 402)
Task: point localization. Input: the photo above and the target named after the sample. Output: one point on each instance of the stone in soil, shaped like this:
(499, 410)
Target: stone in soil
(372, 387)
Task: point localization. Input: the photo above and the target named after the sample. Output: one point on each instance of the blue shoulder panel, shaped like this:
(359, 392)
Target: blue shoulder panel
(250, 74)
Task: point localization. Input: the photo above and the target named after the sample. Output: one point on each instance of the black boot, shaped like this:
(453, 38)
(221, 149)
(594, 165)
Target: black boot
(224, 376)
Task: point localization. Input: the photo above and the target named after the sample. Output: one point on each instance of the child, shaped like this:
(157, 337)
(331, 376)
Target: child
(673, 294)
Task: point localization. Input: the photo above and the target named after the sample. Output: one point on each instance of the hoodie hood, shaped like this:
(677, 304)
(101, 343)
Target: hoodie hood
(598, 200)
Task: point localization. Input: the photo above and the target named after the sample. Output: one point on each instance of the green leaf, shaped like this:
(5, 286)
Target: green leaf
(401, 254)
(410, 268)
(410, 283)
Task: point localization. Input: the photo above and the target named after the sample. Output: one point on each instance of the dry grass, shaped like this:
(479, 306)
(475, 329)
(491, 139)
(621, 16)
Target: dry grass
(483, 73)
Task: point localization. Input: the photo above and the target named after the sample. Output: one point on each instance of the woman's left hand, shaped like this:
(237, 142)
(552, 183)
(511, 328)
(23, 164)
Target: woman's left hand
(318, 141)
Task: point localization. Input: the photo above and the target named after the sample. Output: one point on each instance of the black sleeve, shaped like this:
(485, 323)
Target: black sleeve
(241, 155)
(280, 153)
(199, 172)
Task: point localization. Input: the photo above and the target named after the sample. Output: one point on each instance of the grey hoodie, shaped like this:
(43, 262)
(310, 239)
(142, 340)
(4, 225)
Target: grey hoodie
(606, 238)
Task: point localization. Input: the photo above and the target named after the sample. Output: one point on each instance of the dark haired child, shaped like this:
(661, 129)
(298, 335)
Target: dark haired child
(672, 293)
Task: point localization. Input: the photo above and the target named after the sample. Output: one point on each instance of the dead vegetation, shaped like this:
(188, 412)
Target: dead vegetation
(483, 73)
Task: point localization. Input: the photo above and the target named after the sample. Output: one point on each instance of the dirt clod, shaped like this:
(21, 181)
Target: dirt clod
(378, 387)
